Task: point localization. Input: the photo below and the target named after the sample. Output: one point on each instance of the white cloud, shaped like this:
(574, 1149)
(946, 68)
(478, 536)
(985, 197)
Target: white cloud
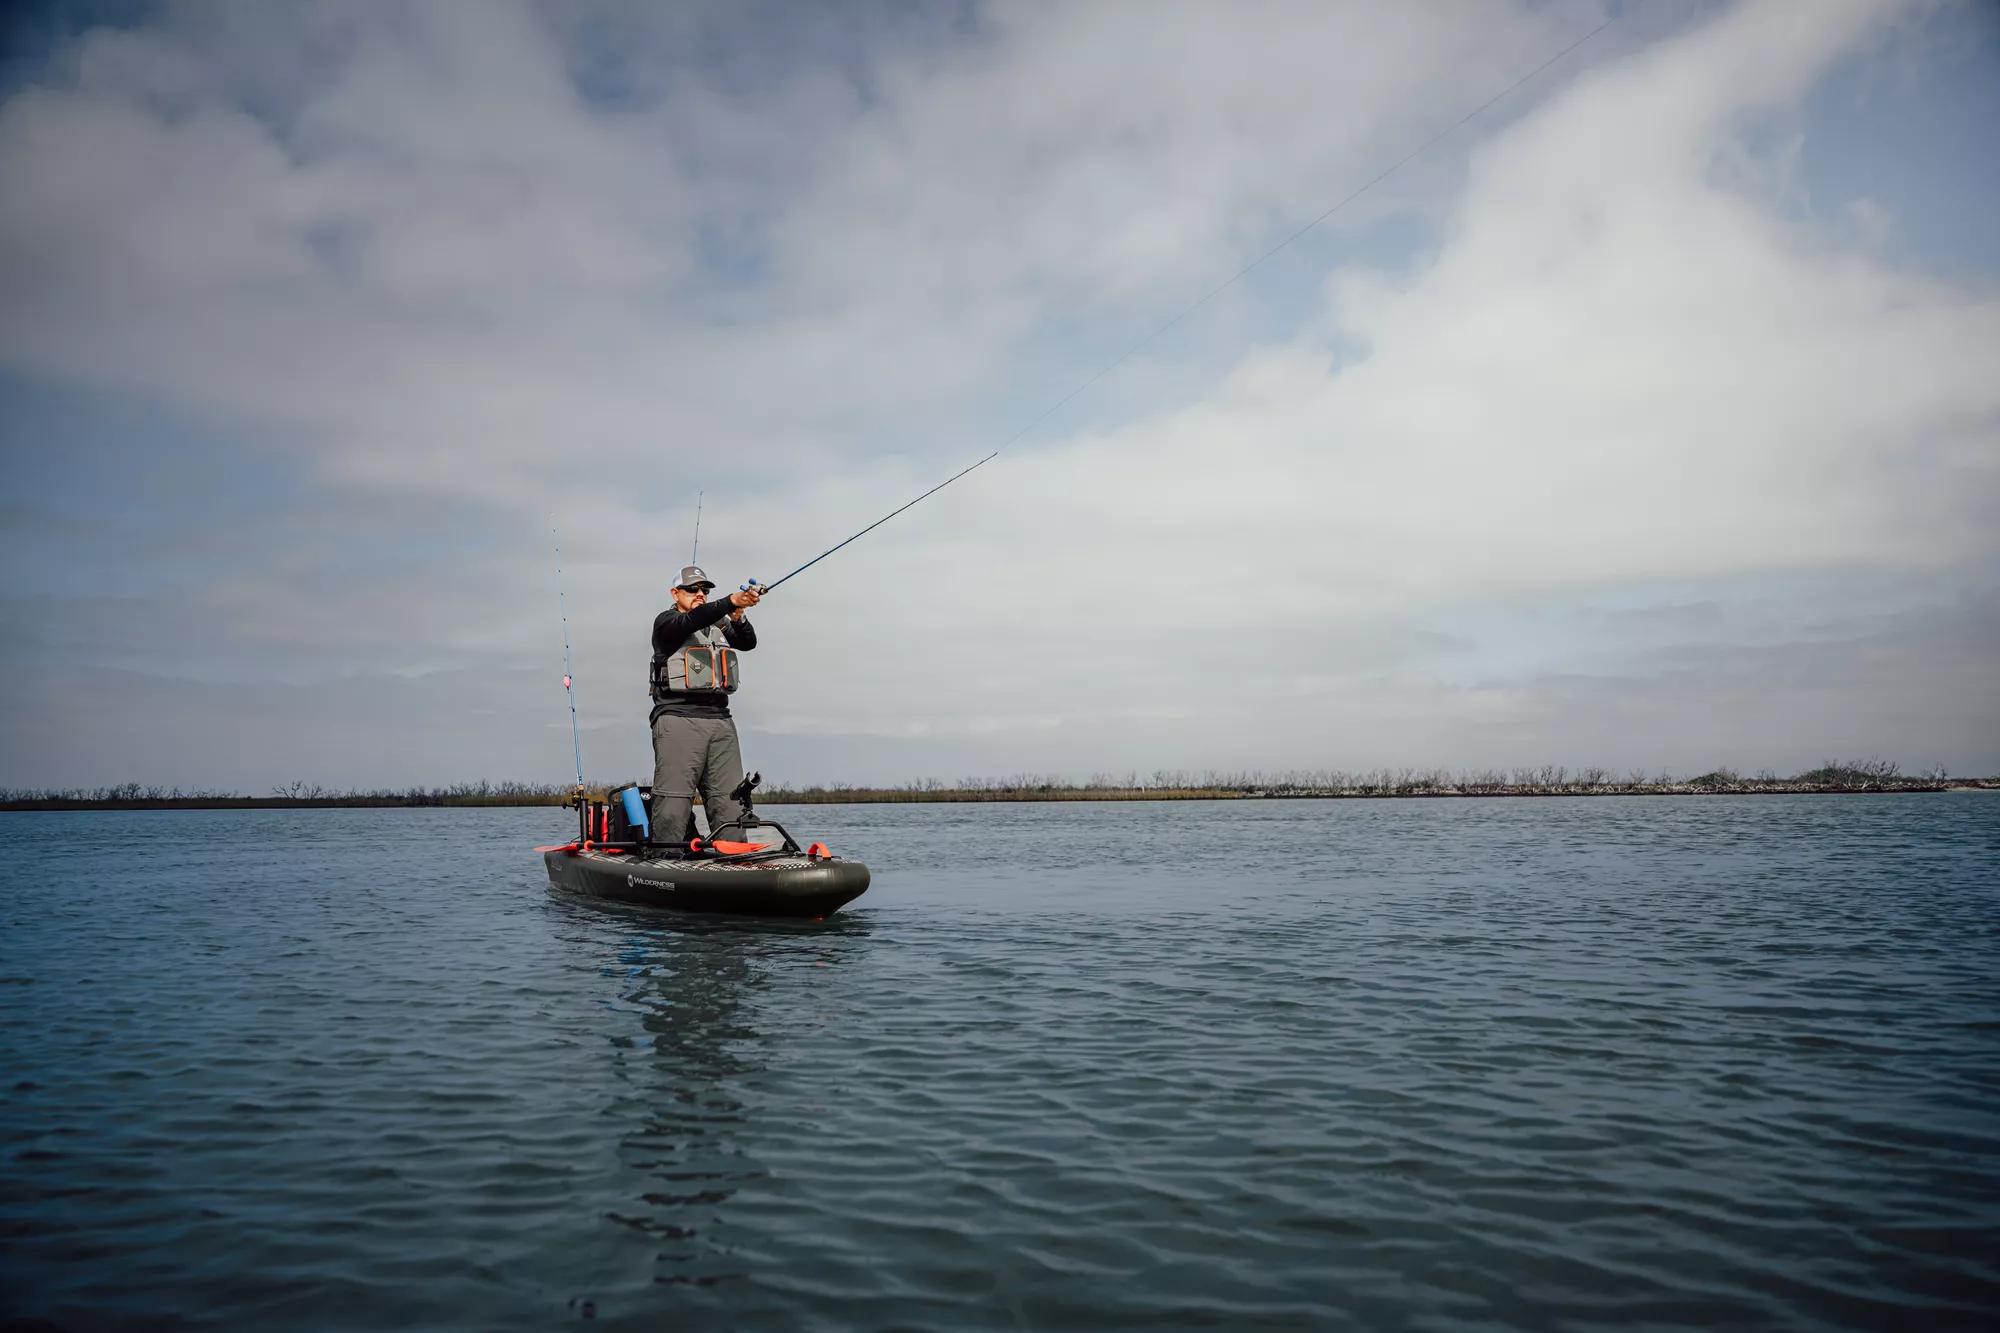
(441, 242)
(402, 247)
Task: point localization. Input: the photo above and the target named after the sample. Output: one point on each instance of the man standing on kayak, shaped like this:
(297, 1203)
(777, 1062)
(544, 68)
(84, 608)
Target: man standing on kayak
(694, 672)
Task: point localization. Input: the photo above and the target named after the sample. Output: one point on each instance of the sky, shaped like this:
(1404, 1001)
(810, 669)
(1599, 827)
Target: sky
(1648, 418)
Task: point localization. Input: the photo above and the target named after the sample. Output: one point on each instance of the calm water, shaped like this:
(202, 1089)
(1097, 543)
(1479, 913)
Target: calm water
(1512, 1064)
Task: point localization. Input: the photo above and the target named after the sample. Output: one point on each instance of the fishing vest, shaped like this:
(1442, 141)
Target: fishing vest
(705, 664)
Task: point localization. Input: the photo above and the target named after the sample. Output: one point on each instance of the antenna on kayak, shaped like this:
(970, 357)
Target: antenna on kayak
(1214, 291)
(694, 556)
(569, 688)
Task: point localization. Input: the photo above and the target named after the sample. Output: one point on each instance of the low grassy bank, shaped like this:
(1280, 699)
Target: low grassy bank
(1865, 776)
(1328, 784)
(300, 795)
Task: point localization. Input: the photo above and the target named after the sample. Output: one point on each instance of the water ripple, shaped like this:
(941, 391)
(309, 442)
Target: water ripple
(1500, 1064)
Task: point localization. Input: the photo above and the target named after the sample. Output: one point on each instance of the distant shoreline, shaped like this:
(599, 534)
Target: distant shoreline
(1417, 789)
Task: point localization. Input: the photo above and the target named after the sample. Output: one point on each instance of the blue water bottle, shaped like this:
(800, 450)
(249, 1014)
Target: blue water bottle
(635, 813)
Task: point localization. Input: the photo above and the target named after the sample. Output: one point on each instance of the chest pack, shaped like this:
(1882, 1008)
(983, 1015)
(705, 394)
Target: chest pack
(705, 664)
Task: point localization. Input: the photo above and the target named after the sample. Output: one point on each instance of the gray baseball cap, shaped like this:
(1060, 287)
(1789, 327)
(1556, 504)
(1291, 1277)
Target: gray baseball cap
(693, 579)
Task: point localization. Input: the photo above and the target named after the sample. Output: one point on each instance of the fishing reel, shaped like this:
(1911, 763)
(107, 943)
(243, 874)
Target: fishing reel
(742, 797)
(753, 586)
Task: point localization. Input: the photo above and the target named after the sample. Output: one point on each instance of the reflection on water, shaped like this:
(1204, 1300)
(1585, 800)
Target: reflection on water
(687, 1077)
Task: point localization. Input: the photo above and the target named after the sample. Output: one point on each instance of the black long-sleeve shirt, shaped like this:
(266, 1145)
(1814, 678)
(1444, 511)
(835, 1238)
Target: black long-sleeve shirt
(674, 627)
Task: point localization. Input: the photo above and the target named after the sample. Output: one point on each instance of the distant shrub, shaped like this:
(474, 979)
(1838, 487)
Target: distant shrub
(1852, 773)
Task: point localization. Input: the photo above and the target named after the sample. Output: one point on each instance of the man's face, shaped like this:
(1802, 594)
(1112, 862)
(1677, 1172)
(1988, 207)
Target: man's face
(687, 599)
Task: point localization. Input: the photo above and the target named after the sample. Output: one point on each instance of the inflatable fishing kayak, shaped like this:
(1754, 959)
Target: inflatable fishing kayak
(613, 860)
(753, 884)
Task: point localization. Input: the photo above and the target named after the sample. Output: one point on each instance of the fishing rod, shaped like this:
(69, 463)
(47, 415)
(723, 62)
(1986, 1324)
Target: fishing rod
(576, 747)
(694, 556)
(1205, 298)
(766, 587)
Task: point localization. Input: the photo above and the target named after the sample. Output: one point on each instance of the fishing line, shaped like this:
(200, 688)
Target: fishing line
(1216, 291)
(569, 688)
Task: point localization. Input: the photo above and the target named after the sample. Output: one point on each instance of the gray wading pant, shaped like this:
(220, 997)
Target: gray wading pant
(690, 755)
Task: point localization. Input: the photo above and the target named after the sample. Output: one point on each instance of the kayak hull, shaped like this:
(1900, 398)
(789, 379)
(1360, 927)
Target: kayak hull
(795, 886)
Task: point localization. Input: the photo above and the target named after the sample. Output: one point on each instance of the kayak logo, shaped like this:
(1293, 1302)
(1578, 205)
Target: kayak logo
(641, 882)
